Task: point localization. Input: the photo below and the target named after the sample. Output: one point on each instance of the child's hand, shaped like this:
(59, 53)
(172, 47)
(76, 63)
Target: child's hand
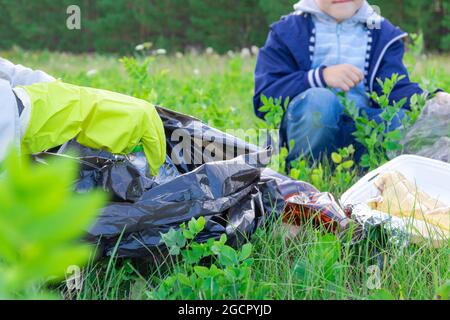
(343, 76)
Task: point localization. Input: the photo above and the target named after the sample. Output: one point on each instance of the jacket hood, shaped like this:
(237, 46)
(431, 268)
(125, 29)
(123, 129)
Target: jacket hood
(365, 14)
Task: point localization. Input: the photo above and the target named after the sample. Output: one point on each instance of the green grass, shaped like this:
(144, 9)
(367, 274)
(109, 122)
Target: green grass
(219, 91)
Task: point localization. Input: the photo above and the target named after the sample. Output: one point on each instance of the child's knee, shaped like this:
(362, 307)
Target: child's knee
(321, 93)
(316, 101)
(321, 98)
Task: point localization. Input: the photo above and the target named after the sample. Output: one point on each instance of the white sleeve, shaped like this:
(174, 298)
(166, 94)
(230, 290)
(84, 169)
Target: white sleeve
(10, 133)
(18, 75)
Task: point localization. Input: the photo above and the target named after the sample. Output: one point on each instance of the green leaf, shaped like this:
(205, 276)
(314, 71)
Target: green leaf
(184, 279)
(337, 158)
(174, 240)
(246, 251)
(194, 254)
(214, 271)
(345, 153)
(394, 135)
(188, 234)
(264, 108)
(223, 238)
(196, 225)
(391, 146)
(227, 256)
(202, 272)
(365, 161)
(443, 292)
(174, 250)
(41, 223)
(348, 164)
(295, 174)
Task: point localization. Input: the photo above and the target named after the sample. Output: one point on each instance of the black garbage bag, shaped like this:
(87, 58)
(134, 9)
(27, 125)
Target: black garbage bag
(226, 187)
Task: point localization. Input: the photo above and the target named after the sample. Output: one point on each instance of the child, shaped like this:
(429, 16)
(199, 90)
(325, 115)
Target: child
(40, 113)
(328, 46)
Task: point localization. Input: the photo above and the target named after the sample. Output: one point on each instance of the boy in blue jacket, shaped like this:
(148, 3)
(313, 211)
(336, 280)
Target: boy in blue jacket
(324, 47)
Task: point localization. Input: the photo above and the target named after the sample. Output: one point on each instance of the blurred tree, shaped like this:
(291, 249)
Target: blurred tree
(119, 25)
(114, 27)
(163, 23)
(427, 16)
(226, 24)
(274, 10)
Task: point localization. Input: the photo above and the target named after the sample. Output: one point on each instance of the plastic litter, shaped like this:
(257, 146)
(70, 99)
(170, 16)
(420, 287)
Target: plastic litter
(232, 194)
(230, 187)
(304, 202)
(430, 180)
(430, 136)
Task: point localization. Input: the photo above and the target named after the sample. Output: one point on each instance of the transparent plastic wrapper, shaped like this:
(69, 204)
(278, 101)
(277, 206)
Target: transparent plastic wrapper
(430, 135)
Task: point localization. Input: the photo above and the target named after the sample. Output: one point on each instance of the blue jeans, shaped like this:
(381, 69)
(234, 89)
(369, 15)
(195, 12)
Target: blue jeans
(316, 122)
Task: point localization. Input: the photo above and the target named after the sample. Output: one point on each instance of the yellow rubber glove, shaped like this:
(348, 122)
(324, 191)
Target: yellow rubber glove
(98, 119)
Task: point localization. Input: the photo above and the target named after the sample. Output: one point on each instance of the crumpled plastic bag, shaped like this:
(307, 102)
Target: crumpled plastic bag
(430, 135)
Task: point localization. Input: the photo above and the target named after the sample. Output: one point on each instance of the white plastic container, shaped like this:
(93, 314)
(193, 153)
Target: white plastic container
(430, 176)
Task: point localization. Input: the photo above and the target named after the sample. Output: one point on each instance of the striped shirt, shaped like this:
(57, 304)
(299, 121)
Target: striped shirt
(341, 43)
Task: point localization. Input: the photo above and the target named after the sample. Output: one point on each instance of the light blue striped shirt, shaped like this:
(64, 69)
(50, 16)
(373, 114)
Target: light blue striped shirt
(339, 43)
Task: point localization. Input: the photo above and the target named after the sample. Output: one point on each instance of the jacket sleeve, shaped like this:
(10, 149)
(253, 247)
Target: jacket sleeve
(9, 120)
(18, 75)
(277, 73)
(393, 63)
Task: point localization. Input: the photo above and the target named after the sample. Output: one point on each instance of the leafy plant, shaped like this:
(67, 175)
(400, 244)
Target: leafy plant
(228, 276)
(417, 104)
(143, 83)
(377, 136)
(41, 221)
(302, 170)
(345, 171)
(327, 176)
(322, 264)
(274, 110)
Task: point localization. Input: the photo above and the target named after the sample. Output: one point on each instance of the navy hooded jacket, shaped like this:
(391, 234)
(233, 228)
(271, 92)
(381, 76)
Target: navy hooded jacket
(283, 67)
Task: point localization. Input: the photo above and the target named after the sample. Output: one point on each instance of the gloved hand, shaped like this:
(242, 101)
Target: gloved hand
(96, 118)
